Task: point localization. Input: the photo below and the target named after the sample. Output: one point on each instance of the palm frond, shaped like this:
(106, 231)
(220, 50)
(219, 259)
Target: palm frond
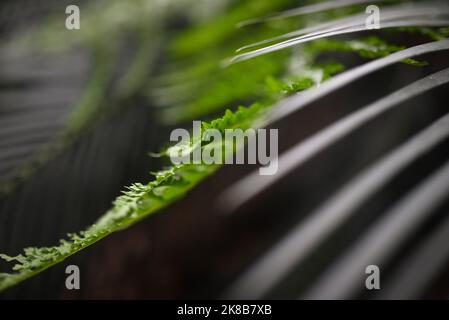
(245, 189)
(397, 224)
(313, 8)
(426, 14)
(306, 236)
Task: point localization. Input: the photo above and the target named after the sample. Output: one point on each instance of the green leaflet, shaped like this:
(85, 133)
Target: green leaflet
(136, 203)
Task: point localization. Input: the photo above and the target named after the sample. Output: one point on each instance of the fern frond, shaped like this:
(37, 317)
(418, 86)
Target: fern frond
(136, 203)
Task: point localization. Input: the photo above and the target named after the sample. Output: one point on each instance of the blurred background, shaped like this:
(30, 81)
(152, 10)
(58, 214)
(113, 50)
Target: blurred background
(80, 110)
